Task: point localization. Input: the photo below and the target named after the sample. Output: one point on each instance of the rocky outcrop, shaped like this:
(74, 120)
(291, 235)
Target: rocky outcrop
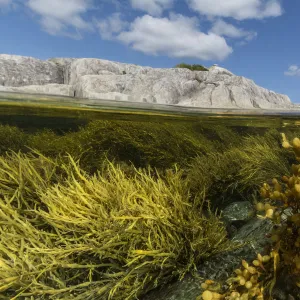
(48, 89)
(16, 71)
(63, 64)
(102, 79)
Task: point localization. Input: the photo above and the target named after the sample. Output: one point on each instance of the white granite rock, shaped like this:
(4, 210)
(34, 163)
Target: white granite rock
(63, 64)
(216, 88)
(21, 71)
(48, 89)
(103, 79)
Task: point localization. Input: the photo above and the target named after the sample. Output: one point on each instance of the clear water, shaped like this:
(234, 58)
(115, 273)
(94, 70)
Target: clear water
(159, 137)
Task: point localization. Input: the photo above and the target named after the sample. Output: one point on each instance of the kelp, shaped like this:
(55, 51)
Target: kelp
(66, 234)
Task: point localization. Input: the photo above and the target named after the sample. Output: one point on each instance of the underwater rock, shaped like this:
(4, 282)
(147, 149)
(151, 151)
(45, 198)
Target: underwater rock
(238, 211)
(102, 79)
(237, 214)
(254, 234)
(220, 267)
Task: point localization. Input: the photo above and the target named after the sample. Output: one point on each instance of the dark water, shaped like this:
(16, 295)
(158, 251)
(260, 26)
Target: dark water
(159, 137)
(69, 115)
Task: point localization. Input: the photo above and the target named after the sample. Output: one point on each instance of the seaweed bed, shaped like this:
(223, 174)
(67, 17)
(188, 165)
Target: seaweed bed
(115, 208)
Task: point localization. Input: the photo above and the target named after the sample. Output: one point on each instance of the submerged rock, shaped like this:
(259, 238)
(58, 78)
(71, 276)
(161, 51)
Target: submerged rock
(236, 215)
(220, 267)
(102, 79)
(254, 238)
(238, 211)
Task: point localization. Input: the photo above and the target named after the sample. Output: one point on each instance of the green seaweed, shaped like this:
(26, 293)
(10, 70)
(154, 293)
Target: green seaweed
(141, 143)
(279, 202)
(116, 208)
(236, 174)
(66, 234)
(12, 138)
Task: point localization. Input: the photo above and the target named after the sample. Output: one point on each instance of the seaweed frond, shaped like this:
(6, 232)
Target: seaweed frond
(67, 234)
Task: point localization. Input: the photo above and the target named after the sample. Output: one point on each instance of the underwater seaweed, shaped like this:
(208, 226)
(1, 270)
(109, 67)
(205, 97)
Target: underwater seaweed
(12, 139)
(159, 145)
(280, 203)
(65, 234)
(127, 210)
(237, 173)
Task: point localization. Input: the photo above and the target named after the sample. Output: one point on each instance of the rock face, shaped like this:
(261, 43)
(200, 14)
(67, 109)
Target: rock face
(48, 89)
(16, 71)
(102, 79)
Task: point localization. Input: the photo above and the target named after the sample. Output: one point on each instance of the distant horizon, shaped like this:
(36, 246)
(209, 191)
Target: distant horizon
(253, 39)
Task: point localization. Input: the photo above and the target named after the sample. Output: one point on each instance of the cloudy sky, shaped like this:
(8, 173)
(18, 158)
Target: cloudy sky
(258, 39)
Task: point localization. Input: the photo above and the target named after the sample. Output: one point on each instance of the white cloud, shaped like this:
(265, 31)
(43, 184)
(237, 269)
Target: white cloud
(238, 9)
(111, 26)
(293, 71)
(223, 28)
(59, 17)
(177, 36)
(152, 7)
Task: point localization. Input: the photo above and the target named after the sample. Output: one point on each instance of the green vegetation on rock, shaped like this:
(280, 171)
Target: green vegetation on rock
(191, 67)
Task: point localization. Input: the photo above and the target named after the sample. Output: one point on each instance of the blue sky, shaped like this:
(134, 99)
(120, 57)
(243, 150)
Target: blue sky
(258, 39)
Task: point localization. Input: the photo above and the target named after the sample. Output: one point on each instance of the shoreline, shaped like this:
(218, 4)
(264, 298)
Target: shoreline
(68, 101)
